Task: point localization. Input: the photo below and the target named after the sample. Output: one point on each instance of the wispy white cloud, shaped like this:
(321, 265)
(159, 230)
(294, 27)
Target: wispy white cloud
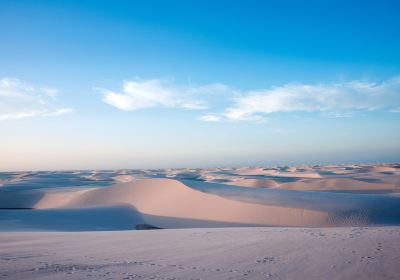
(140, 94)
(19, 99)
(210, 118)
(334, 100)
(58, 112)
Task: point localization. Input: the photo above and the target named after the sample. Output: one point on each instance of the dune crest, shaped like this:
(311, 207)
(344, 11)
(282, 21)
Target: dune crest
(172, 199)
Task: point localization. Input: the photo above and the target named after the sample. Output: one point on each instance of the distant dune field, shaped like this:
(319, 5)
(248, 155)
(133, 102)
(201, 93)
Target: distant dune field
(306, 196)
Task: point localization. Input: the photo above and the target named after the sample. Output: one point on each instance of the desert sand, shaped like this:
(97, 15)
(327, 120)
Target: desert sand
(299, 222)
(228, 253)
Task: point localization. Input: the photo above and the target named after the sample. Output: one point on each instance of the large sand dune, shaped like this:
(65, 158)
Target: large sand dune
(168, 203)
(171, 204)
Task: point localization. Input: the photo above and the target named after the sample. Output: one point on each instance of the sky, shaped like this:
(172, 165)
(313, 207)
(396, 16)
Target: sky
(166, 84)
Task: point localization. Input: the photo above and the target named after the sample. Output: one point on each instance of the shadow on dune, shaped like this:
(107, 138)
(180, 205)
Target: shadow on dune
(19, 199)
(109, 218)
(176, 222)
(126, 217)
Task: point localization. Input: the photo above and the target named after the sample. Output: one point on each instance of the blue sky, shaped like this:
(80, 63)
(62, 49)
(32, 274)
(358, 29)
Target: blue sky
(147, 84)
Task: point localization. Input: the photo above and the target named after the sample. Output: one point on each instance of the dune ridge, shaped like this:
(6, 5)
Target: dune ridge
(169, 203)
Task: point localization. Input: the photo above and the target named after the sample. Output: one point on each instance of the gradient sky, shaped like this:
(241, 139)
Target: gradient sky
(154, 84)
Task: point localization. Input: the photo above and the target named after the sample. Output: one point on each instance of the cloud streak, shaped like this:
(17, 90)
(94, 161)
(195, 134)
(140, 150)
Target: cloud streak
(22, 100)
(336, 99)
(141, 94)
(333, 100)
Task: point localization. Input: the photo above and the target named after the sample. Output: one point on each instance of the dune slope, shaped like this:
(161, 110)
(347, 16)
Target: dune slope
(173, 199)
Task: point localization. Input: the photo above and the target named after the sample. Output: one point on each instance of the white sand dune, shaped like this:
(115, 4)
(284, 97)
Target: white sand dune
(182, 206)
(341, 208)
(378, 169)
(123, 178)
(322, 184)
(257, 183)
(163, 202)
(311, 197)
(277, 173)
(336, 184)
(168, 203)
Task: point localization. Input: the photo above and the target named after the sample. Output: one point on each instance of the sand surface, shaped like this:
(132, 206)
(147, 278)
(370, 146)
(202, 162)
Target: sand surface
(229, 253)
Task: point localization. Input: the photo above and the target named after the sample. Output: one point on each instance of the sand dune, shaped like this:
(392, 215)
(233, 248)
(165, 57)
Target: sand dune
(168, 203)
(322, 184)
(123, 178)
(336, 184)
(277, 173)
(172, 199)
(257, 183)
(278, 196)
(379, 169)
(342, 208)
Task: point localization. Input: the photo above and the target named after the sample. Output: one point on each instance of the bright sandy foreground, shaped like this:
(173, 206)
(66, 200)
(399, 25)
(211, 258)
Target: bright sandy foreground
(228, 253)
